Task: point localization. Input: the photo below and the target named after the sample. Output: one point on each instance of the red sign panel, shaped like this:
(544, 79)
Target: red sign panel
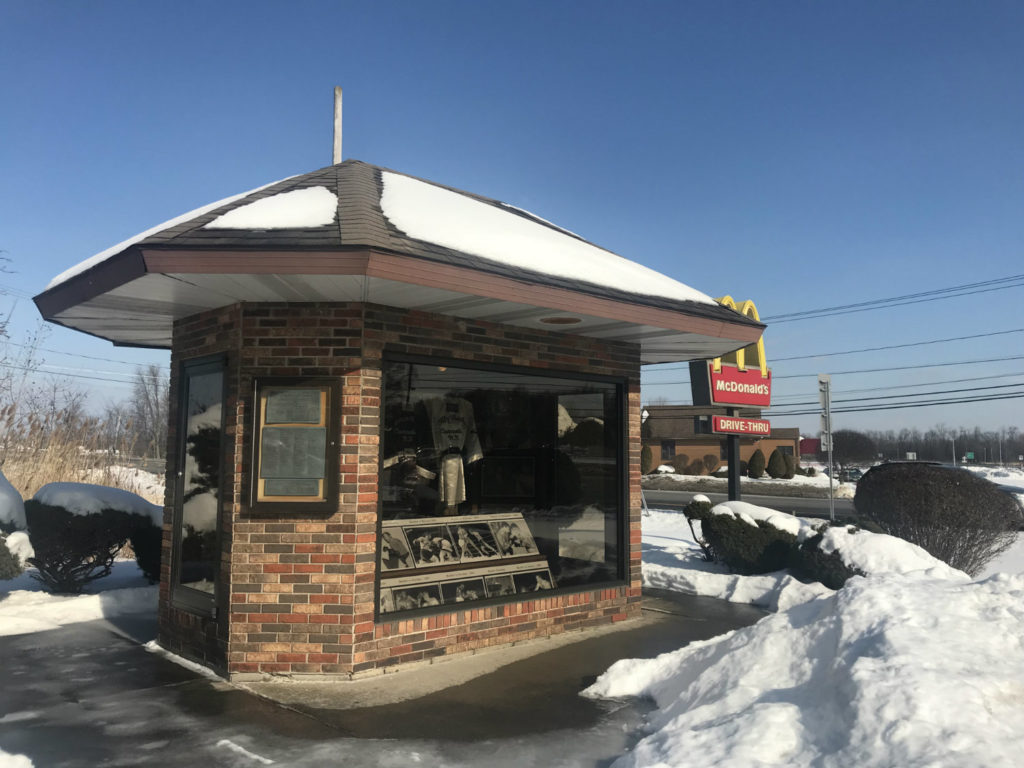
(731, 386)
(734, 425)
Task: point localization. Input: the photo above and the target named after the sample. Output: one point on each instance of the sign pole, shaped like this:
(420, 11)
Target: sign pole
(732, 451)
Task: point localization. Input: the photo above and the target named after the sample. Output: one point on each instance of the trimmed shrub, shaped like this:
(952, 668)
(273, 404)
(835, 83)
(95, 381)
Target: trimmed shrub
(755, 467)
(147, 540)
(695, 467)
(810, 563)
(811, 472)
(710, 462)
(746, 548)
(952, 514)
(680, 462)
(792, 468)
(73, 550)
(646, 460)
(776, 465)
(10, 565)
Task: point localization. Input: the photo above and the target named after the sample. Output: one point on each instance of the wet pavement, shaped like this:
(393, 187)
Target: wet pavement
(89, 694)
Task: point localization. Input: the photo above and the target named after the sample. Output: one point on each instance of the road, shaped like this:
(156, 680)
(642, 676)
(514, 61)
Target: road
(798, 506)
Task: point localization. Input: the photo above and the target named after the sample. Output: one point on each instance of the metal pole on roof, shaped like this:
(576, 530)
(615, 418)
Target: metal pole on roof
(337, 124)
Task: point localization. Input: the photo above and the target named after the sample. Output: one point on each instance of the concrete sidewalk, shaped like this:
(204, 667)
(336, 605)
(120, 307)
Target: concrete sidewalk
(90, 694)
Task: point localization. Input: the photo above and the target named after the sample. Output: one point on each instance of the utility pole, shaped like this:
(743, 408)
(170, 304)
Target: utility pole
(825, 397)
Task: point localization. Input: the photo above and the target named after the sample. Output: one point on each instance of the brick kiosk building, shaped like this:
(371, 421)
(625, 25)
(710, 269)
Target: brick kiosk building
(404, 418)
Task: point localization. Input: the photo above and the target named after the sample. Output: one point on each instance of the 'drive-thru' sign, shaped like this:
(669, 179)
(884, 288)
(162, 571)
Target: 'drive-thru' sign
(740, 378)
(734, 425)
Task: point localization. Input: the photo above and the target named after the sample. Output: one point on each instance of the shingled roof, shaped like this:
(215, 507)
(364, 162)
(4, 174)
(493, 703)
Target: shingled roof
(358, 232)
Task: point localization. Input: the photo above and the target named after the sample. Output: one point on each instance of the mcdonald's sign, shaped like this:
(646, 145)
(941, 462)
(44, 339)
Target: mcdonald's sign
(740, 378)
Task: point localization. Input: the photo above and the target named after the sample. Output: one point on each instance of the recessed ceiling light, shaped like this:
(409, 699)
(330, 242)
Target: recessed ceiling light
(561, 320)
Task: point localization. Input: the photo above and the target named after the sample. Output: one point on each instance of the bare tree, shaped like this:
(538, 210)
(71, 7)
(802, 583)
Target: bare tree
(148, 409)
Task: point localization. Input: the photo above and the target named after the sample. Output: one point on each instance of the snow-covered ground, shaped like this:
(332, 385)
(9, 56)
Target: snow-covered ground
(915, 665)
(749, 485)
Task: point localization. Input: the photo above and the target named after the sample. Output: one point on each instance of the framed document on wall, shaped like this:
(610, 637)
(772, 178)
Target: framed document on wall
(295, 446)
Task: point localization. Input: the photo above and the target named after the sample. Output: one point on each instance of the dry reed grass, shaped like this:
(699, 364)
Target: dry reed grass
(36, 450)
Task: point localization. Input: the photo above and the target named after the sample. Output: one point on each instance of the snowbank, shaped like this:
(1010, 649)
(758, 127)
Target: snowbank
(87, 499)
(8, 760)
(19, 545)
(890, 670)
(12, 508)
(25, 607)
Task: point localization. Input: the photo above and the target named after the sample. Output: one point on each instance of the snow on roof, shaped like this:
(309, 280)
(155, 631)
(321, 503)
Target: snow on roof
(297, 209)
(12, 508)
(113, 250)
(87, 499)
(434, 214)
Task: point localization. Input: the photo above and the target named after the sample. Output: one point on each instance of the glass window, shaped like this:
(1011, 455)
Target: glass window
(293, 454)
(668, 450)
(198, 513)
(496, 483)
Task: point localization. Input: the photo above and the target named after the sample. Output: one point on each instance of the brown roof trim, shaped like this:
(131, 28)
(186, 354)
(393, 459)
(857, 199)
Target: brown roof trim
(419, 271)
(106, 276)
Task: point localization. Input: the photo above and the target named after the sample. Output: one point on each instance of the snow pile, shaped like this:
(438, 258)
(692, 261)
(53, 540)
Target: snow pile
(12, 508)
(878, 553)
(18, 544)
(428, 212)
(8, 760)
(25, 607)
(86, 499)
(297, 209)
(890, 671)
(673, 560)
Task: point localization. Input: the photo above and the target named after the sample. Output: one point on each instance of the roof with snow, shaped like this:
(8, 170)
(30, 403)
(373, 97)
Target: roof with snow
(358, 232)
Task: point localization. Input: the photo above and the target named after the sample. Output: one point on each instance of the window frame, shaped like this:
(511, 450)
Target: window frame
(184, 597)
(621, 384)
(329, 502)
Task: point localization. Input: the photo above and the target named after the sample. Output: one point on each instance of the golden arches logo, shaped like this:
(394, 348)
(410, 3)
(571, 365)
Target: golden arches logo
(752, 353)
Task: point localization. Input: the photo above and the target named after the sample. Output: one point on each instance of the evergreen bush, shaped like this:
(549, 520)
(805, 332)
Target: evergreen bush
(747, 548)
(72, 550)
(792, 468)
(646, 460)
(710, 462)
(776, 465)
(755, 467)
(680, 462)
(10, 565)
(954, 515)
(147, 540)
(812, 564)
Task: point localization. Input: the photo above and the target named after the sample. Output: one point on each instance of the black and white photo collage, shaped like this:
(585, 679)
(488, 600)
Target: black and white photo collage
(411, 592)
(431, 541)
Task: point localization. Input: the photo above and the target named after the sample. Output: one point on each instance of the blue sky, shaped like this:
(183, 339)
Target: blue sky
(802, 154)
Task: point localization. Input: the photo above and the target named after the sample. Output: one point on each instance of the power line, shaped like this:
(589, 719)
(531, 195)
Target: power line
(865, 409)
(907, 386)
(68, 375)
(75, 354)
(911, 394)
(966, 289)
(671, 367)
(887, 369)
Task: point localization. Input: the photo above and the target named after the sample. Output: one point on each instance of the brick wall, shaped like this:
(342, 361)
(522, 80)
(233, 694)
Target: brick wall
(301, 595)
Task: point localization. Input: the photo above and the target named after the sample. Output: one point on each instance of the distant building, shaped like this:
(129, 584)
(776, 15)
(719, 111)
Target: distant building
(673, 431)
(810, 448)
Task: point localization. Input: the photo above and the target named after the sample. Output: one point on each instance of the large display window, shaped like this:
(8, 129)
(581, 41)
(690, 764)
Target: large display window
(496, 482)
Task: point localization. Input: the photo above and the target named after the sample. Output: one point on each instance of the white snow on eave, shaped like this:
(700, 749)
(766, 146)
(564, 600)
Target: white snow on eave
(102, 256)
(295, 209)
(437, 215)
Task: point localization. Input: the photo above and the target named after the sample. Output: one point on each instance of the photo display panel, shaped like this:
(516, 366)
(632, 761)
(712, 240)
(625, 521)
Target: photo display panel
(496, 484)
